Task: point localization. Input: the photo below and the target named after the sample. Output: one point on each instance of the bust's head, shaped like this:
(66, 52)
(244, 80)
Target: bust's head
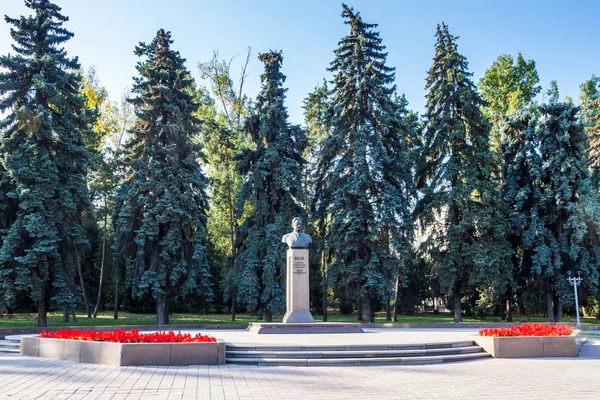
(297, 224)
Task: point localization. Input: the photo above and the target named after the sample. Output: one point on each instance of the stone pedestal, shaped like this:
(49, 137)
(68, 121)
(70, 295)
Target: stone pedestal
(297, 290)
(302, 328)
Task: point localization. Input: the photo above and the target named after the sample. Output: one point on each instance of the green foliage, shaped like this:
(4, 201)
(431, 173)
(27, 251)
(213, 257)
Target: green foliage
(223, 139)
(160, 210)
(509, 86)
(590, 90)
(563, 226)
(317, 118)
(414, 286)
(105, 145)
(363, 172)
(460, 210)
(554, 216)
(271, 193)
(553, 93)
(521, 170)
(590, 103)
(43, 151)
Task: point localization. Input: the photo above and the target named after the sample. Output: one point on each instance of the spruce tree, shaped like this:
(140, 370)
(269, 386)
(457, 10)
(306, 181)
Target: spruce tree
(561, 226)
(363, 172)
(521, 172)
(317, 117)
(271, 192)
(160, 208)
(43, 152)
(460, 209)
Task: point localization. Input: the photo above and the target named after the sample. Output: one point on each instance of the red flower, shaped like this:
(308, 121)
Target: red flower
(534, 329)
(124, 336)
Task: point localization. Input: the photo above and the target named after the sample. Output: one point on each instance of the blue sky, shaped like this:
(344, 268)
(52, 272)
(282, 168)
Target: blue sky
(561, 36)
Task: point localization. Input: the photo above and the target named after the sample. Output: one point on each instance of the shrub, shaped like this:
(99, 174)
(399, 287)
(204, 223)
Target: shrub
(346, 307)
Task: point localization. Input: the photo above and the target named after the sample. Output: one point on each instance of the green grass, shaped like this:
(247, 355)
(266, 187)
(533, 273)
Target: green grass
(591, 334)
(24, 320)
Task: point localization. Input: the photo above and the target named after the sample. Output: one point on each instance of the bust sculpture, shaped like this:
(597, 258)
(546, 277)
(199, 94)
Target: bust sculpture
(296, 239)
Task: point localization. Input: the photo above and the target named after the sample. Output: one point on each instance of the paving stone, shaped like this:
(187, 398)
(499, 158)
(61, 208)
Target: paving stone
(490, 379)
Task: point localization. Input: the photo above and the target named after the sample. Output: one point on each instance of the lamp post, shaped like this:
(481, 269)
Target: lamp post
(575, 282)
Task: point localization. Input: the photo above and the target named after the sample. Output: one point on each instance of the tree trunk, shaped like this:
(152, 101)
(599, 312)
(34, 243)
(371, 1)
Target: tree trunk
(559, 308)
(83, 293)
(549, 305)
(359, 309)
(162, 310)
(324, 283)
(116, 310)
(65, 318)
(397, 292)
(102, 259)
(508, 311)
(457, 305)
(229, 266)
(388, 310)
(268, 315)
(509, 317)
(520, 303)
(232, 229)
(366, 310)
(43, 306)
(233, 305)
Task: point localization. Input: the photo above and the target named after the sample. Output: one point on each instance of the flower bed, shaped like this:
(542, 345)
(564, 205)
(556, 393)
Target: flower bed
(124, 336)
(529, 340)
(122, 348)
(529, 330)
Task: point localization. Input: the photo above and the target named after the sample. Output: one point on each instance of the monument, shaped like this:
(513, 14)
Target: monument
(297, 318)
(297, 288)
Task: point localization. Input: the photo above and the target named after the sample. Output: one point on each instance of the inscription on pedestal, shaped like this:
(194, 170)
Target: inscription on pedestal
(299, 265)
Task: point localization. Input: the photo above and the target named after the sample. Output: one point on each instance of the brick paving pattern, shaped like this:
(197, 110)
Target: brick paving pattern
(575, 378)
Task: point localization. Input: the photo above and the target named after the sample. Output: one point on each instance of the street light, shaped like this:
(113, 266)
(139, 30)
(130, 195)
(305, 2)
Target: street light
(575, 282)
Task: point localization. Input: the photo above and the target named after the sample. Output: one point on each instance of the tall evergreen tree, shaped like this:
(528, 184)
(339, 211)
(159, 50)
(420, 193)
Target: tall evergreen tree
(363, 172)
(160, 217)
(43, 152)
(561, 226)
(317, 118)
(521, 172)
(460, 208)
(271, 191)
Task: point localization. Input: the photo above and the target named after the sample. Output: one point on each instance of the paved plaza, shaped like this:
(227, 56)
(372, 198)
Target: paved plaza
(574, 378)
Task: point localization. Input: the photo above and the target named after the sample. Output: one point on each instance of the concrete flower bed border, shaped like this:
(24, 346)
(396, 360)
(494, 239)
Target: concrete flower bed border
(125, 354)
(529, 346)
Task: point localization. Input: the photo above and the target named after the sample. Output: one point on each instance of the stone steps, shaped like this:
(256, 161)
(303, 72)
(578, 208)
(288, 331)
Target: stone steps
(10, 346)
(425, 353)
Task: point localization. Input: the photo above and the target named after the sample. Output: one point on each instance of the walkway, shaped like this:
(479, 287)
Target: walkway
(33, 378)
